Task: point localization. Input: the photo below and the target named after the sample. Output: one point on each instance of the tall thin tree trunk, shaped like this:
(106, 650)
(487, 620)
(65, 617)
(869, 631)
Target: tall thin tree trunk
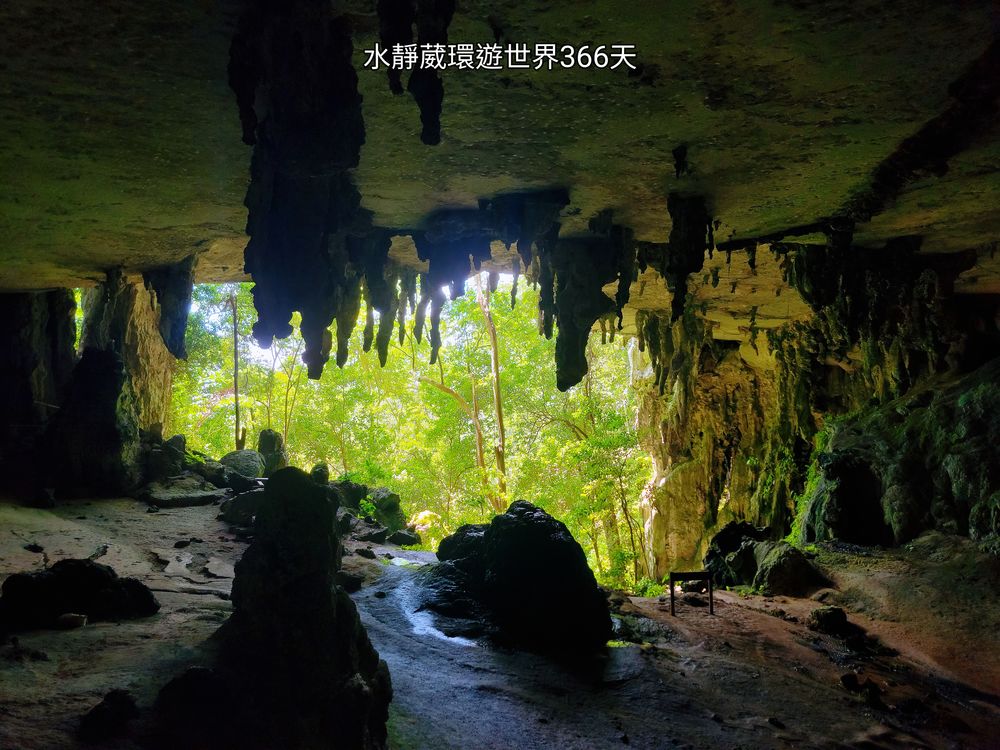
(291, 382)
(592, 533)
(472, 411)
(270, 383)
(500, 449)
(240, 435)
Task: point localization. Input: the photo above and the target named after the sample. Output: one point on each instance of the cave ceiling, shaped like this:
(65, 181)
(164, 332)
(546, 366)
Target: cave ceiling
(121, 143)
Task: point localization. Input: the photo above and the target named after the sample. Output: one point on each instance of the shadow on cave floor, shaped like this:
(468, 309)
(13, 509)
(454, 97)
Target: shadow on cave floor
(746, 678)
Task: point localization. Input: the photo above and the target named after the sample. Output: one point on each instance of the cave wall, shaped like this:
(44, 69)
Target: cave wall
(869, 421)
(37, 355)
(123, 315)
(119, 388)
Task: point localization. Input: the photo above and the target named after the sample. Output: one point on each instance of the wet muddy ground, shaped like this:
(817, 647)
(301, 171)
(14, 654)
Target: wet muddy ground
(752, 676)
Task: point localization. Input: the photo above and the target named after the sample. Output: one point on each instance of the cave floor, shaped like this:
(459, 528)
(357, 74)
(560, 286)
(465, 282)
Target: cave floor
(745, 678)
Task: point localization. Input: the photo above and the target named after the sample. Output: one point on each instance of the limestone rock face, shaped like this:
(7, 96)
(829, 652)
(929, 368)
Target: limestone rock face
(928, 460)
(123, 316)
(93, 443)
(531, 577)
(307, 674)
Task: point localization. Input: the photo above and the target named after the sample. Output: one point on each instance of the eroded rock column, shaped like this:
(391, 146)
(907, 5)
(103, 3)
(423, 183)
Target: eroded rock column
(120, 387)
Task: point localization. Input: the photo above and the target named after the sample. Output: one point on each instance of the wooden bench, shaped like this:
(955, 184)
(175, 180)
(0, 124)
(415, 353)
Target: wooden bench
(692, 575)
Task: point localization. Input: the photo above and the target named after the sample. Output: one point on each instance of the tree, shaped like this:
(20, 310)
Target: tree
(457, 439)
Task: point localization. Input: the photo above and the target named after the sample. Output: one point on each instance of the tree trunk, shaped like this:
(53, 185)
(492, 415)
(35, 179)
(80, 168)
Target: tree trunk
(291, 389)
(500, 449)
(473, 413)
(240, 434)
(597, 552)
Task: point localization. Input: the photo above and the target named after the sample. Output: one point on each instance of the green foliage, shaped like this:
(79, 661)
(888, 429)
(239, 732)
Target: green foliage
(648, 587)
(367, 508)
(813, 476)
(407, 426)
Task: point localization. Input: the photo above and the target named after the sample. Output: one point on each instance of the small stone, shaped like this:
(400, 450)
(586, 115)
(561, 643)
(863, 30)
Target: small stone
(71, 621)
(367, 552)
(380, 595)
(829, 620)
(34, 547)
(775, 722)
(182, 543)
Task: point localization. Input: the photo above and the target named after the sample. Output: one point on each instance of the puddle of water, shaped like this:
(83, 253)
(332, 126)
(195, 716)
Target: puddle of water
(421, 622)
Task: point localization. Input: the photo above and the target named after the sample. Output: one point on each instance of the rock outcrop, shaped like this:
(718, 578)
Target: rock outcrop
(248, 463)
(529, 576)
(293, 659)
(37, 356)
(742, 555)
(271, 447)
(82, 587)
(927, 460)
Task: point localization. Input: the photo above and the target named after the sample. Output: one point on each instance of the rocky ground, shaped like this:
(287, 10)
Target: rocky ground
(752, 676)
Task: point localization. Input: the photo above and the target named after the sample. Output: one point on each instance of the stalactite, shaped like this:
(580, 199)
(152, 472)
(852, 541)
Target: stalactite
(690, 236)
(369, 334)
(433, 18)
(437, 303)
(303, 113)
(421, 308)
(347, 318)
(395, 19)
(546, 283)
(386, 320)
(582, 268)
(172, 286)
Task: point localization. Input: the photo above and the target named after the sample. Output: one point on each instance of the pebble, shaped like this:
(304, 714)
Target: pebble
(71, 620)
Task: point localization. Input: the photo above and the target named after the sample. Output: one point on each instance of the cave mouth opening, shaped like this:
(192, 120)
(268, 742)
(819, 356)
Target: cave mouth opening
(458, 437)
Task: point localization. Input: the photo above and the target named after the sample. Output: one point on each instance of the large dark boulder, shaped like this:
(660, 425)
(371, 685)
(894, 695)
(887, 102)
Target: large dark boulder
(241, 509)
(729, 562)
(465, 545)
(388, 510)
(36, 600)
(294, 650)
(350, 493)
(248, 463)
(404, 538)
(531, 577)
(741, 555)
(784, 570)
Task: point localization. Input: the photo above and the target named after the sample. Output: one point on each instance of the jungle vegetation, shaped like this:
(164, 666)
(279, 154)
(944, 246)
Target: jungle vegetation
(458, 440)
